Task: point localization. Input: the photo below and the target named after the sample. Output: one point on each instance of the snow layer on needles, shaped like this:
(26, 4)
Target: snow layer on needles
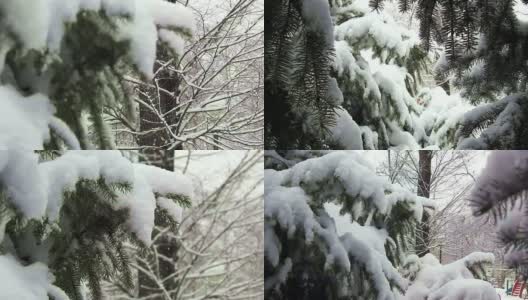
(288, 207)
(20, 176)
(48, 18)
(148, 182)
(451, 281)
(25, 282)
(346, 133)
(465, 289)
(317, 16)
(63, 173)
(376, 264)
(380, 28)
(505, 174)
(288, 199)
(441, 115)
(355, 177)
(36, 189)
(165, 182)
(24, 120)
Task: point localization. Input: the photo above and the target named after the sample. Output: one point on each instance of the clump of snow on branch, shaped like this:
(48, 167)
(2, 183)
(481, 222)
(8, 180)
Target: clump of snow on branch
(346, 133)
(499, 191)
(32, 282)
(24, 121)
(378, 28)
(440, 117)
(507, 116)
(352, 175)
(456, 280)
(371, 54)
(49, 17)
(36, 189)
(290, 196)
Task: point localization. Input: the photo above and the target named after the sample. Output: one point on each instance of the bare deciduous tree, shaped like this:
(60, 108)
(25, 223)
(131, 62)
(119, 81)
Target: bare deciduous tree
(220, 241)
(211, 96)
(450, 180)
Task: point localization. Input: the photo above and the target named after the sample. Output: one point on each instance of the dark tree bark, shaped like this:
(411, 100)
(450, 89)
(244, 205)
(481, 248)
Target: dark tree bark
(155, 134)
(155, 153)
(424, 190)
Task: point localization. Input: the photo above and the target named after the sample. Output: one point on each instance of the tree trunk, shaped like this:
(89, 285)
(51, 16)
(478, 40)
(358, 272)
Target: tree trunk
(155, 132)
(155, 154)
(424, 190)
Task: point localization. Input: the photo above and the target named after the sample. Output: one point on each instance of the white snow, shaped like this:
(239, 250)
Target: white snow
(346, 132)
(441, 115)
(36, 189)
(380, 75)
(172, 208)
(381, 28)
(23, 182)
(32, 282)
(349, 172)
(291, 194)
(317, 17)
(451, 281)
(165, 182)
(508, 116)
(288, 207)
(24, 121)
(48, 18)
(465, 289)
(142, 204)
(175, 41)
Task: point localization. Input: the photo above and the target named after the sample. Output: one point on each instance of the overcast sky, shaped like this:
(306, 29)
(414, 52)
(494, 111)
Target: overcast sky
(210, 167)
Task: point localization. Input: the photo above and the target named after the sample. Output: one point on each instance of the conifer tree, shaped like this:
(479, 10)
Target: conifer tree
(75, 54)
(71, 216)
(379, 65)
(485, 52)
(305, 258)
(299, 49)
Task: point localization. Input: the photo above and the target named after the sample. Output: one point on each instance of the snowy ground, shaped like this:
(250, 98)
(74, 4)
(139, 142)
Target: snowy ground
(503, 295)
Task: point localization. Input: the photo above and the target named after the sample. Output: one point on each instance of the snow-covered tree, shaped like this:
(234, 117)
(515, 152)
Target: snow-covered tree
(375, 97)
(62, 65)
(66, 216)
(378, 65)
(305, 258)
(300, 95)
(500, 192)
(485, 56)
(463, 279)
